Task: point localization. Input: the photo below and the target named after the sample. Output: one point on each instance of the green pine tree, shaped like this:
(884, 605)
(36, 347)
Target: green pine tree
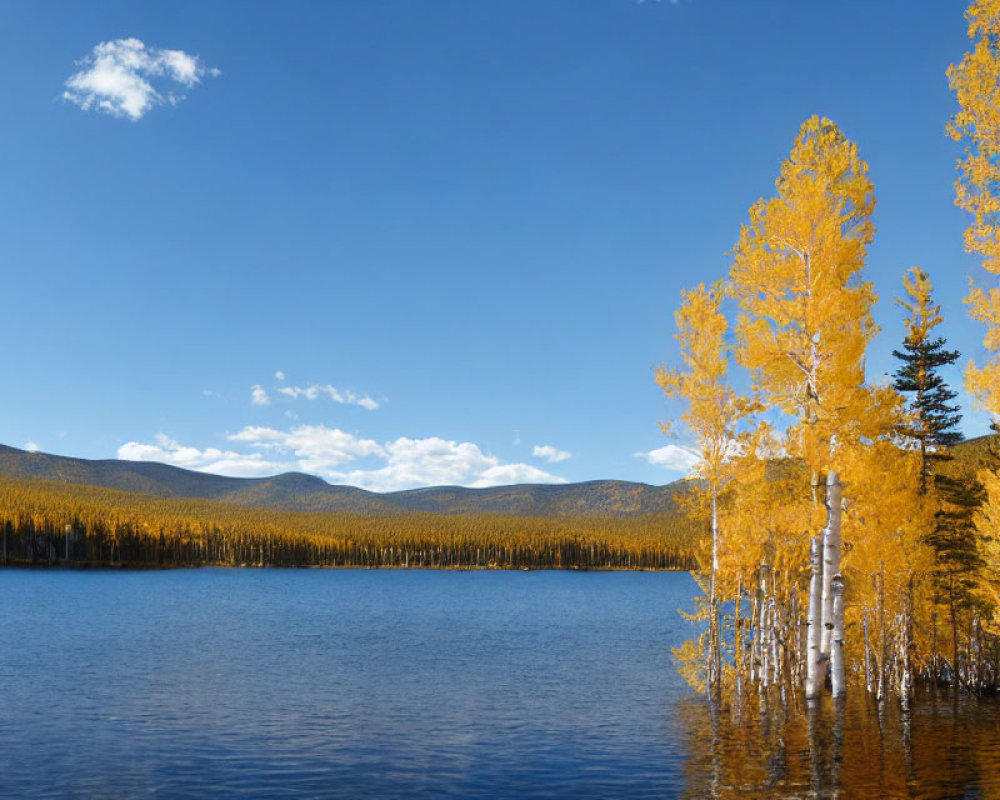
(935, 418)
(933, 428)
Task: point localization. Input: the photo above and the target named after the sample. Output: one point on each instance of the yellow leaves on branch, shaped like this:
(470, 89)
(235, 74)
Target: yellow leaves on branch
(984, 381)
(924, 313)
(987, 520)
(807, 318)
(976, 83)
(714, 408)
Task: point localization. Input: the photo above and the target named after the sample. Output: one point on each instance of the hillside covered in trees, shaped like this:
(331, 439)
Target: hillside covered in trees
(294, 491)
(46, 523)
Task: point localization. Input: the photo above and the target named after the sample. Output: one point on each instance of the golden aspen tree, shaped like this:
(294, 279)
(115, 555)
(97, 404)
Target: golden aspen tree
(886, 523)
(987, 518)
(976, 83)
(714, 412)
(764, 516)
(807, 322)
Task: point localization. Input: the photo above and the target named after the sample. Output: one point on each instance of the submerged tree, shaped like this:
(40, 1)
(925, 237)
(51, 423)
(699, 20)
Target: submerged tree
(806, 326)
(932, 427)
(714, 414)
(976, 83)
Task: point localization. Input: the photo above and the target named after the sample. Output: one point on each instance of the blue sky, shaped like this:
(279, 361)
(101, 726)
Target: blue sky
(399, 244)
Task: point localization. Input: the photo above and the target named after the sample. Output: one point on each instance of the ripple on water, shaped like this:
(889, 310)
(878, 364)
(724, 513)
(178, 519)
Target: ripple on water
(391, 684)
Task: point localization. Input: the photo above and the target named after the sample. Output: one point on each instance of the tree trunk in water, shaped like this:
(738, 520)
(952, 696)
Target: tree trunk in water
(906, 683)
(715, 647)
(868, 656)
(955, 676)
(883, 639)
(738, 637)
(815, 663)
(765, 630)
(754, 632)
(831, 558)
(797, 630)
(837, 676)
(934, 642)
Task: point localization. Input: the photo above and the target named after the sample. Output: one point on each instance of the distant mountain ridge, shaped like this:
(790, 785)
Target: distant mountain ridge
(295, 491)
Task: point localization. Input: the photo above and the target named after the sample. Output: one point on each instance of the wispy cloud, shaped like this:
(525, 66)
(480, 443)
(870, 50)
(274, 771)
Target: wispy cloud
(259, 396)
(31, 447)
(211, 459)
(117, 78)
(673, 457)
(550, 454)
(342, 396)
(341, 457)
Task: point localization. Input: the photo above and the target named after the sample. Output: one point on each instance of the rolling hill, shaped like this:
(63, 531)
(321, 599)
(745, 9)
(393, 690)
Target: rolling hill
(294, 491)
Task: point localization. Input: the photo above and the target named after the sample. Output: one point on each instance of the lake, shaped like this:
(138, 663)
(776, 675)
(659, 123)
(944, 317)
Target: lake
(391, 683)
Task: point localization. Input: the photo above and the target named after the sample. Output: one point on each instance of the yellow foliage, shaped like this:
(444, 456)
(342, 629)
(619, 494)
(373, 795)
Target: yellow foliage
(976, 83)
(925, 314)
(987, 520)
(807, 319)
(690, 658)
(714, 410)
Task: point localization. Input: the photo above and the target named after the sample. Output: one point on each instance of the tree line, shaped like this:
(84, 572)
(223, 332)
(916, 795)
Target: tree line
(840, 542)
(48, 523)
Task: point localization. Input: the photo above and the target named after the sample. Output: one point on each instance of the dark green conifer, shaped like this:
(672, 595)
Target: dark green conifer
(933, 427)
(934, 423)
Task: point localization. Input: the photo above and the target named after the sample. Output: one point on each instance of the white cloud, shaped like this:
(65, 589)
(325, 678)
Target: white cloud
(340, 457)
(673, 457)
(438, 462)
(31, 447)
(220, 462)
(550, 454)
(117, 76)
(315, 447)
(258, 396)
(279, 375)
(315, 391)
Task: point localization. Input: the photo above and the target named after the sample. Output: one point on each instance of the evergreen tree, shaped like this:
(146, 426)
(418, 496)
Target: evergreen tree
(934, 417)
(933, 422)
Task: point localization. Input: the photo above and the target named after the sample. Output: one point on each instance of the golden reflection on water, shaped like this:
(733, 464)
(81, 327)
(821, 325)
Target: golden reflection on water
(945, 747)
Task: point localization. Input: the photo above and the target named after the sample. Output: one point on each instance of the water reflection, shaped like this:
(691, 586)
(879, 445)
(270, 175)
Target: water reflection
(943, 747)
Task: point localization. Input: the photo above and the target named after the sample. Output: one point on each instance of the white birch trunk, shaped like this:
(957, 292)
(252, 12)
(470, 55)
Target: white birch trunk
(715, 649)
(815, 663)
(754, 634)
(738, 656)
(883, 660)
(868, 657)
(775, 652)
(831, 557)
(837, 675)
(765, 630)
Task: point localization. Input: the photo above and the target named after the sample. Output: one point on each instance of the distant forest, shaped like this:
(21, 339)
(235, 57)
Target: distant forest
(46, 523)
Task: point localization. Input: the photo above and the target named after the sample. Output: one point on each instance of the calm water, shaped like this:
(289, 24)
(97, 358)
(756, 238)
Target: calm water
(382, 684)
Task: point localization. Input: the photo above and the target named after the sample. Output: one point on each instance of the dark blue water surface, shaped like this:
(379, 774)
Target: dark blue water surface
(388, 684)
(340, 683)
